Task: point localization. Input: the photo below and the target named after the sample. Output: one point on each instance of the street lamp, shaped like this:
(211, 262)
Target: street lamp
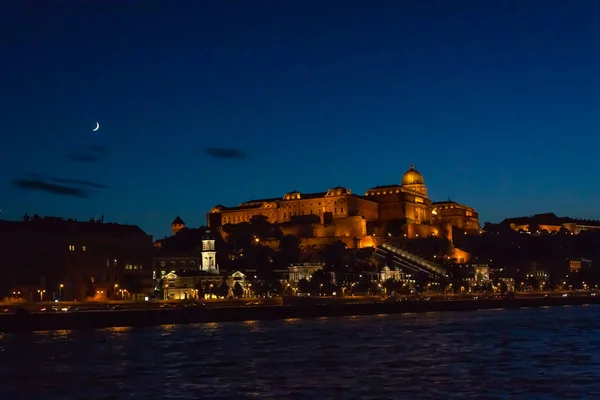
(60, 288)
(41, 292)
(115, 291)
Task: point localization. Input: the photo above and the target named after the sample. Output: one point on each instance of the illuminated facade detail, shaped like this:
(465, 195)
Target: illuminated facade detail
(177, 225)
(575, 265)
(337, 202)
(455, 214)
(407, 202)
(209, 254)
(194, 285)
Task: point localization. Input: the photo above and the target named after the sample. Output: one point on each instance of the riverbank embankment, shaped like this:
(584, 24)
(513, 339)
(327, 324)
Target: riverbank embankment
(187, 315)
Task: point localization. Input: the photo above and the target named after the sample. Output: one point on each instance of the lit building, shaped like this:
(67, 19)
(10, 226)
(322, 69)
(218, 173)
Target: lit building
(384, 273)
(297, 272)
(196, 276)
(456, 215)
(195, 285)
(345, 214)
(549, 222)
(407, 202)
(337, 202)
(576, 264)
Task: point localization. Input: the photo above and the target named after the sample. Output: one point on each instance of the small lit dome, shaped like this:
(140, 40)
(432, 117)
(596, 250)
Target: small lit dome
(338, 191)
(412, 177)
(292, 196)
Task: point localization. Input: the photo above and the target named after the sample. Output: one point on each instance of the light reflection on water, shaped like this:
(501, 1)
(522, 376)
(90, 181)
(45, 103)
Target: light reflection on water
(497, 354)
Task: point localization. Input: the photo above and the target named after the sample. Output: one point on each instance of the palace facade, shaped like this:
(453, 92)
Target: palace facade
(407, 203)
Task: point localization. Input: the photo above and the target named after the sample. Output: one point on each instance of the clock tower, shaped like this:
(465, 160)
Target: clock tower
(209, 254)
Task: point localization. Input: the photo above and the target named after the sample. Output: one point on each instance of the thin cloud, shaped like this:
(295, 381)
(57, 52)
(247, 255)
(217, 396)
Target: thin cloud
(224, 153)
(42, 186)
(87, 154)
(81, 182)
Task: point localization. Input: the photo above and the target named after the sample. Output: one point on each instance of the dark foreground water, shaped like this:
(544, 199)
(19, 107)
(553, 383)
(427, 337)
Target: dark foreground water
(550, 353)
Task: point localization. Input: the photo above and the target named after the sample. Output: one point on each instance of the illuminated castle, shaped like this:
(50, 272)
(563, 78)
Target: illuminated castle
(407, 203)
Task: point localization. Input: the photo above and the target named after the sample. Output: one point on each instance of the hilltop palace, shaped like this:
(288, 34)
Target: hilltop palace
(320, 218)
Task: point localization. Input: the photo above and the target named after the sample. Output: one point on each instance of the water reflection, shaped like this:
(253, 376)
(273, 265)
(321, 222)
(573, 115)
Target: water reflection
(525, 353)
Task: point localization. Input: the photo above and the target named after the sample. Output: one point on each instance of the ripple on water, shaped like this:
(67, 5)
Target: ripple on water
(496, 354)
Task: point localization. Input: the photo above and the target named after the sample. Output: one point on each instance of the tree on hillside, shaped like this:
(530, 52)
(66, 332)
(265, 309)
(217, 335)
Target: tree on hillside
(258, 220)
(262, 228)
(304, 286)
(199, 289)
(289, 248)
(209, 288)
(320, 276)
(223, 290)
(239, 236)
(533, 227)
(392, 286)
(238, 290)
(260, 288)
(333, 255)
(563, 231)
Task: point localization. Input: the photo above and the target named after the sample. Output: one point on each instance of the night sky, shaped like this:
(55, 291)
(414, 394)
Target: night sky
(496, 103)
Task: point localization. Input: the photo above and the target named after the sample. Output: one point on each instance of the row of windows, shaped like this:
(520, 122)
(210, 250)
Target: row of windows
(243, 218)
(72, 248)
(294, 213)
(335, 203)
(129, 266)
(246, 217)
(174, 263)
(109, 279)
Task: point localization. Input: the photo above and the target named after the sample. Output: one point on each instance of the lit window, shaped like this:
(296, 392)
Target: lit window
(83, 248)
(71, 247)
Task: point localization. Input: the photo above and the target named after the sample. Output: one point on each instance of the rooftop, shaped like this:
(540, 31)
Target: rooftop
(68, 226)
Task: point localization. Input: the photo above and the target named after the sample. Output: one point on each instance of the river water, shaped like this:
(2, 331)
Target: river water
(548, 353)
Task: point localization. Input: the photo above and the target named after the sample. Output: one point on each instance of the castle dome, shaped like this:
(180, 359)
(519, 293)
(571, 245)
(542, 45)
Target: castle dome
(412, 177)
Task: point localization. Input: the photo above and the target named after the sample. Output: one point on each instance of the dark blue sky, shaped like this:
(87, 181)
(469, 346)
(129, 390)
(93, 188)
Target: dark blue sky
(497, 103)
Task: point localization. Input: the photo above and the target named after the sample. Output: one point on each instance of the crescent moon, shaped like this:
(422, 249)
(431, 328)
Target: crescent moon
(96, 128)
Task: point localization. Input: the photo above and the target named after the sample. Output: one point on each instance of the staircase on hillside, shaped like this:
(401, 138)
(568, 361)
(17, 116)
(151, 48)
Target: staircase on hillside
(405, 260)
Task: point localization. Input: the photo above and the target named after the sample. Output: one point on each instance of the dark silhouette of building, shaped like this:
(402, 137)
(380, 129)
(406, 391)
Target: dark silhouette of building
(177, 225)
(549, 222)
(47, 258)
